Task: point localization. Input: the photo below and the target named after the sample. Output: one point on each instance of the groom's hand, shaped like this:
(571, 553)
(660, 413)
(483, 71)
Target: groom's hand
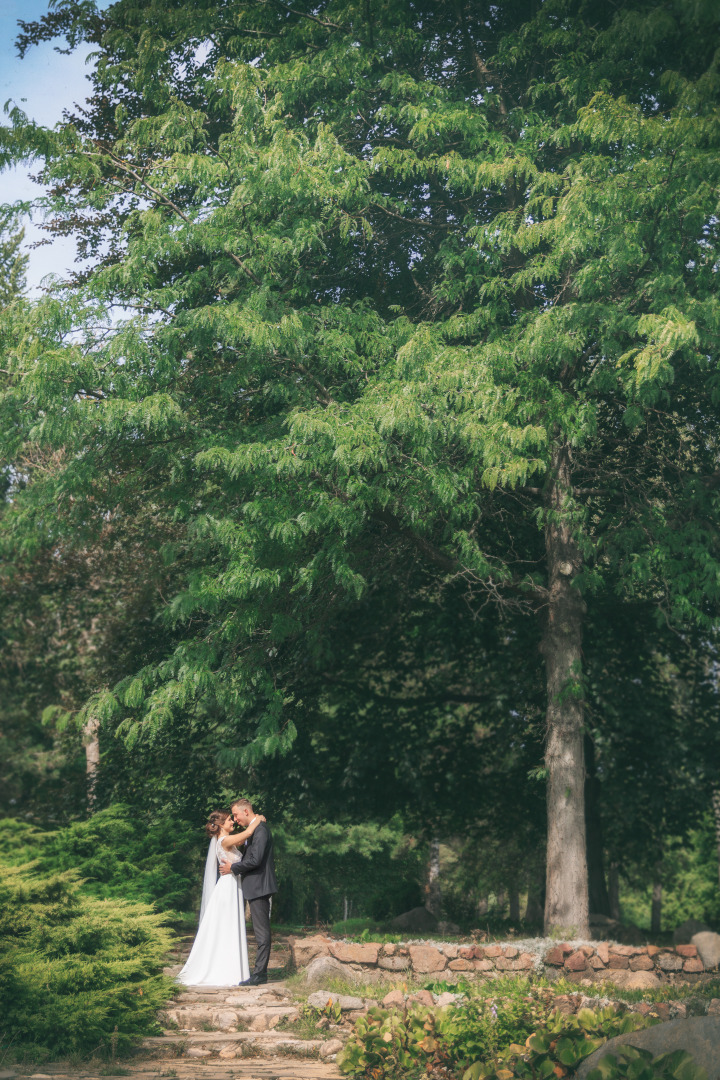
(225, 866)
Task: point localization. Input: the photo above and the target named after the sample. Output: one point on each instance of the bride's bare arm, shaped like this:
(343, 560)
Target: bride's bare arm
(240, 838)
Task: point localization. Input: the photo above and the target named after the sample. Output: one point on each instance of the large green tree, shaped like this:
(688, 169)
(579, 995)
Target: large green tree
(430, 281)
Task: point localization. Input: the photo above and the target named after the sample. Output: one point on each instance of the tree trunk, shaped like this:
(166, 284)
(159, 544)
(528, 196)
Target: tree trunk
(614, 890)
(716, 812)
(535, 900)
(566, 899)
(599, 899)
(92, 760)
(656, 908)
(514, 905)
(483, 905)
(433, 895)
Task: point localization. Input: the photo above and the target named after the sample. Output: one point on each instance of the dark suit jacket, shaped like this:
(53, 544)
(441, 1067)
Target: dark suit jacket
(257, 868)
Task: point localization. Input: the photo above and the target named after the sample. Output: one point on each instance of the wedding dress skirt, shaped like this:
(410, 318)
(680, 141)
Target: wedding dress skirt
(219, 956)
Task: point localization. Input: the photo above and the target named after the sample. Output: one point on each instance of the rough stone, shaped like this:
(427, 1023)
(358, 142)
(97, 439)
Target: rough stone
(451, 951)
(320, 998)
(525, 961)
(634, 980)
(652, 950)
(708, 946)
(323, 968)
(700, 1036)
(618, 962)
(693, 964)
(596, 963)
(425, 959)
(624, 950)
(492, 951)
(556, 957)
(418, 918)
(224, 1019)
(395, 997)
(684, 933)
(714, 1007)
(641, 963)
(228, 1053)
(503, 964)
(348, 953)
(576, 961)
(483, 965)
(461, 965)
(259, 1023)
(443, 1000)
(511, 952)
(669, 962)
(197, 1052)
(306, 949)
(330, 1048)
(566, 948)
(394, 963)
(686, 950)
(587, 950)
(423, 997)
(389, 949)
(467, 952)
(603, 951)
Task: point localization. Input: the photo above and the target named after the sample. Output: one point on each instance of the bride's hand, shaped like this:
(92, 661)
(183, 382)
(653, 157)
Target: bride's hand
(254, 824)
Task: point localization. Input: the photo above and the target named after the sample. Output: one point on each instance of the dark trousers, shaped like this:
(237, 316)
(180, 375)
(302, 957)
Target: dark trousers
(260, 915)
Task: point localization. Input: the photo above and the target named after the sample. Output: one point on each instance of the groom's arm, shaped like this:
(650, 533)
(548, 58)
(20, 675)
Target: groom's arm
(255, 854)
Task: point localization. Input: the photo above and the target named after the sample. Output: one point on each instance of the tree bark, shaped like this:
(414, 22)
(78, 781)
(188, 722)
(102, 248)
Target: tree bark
(716, 813)
(656, 907)
(599, 899)
(614, 890)
(535, 899)
(566, 899)
(92, 760)
(433, 894)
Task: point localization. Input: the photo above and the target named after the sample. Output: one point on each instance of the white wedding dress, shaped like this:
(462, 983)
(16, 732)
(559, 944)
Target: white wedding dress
(219, 956)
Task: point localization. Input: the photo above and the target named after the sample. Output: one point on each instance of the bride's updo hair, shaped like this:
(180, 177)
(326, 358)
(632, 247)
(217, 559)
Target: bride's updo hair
(216, 819)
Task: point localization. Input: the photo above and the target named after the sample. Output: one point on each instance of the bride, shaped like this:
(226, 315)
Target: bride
(219, 956)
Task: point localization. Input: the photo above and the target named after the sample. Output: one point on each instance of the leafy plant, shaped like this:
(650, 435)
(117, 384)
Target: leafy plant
(556, 1049)
(635, 1064)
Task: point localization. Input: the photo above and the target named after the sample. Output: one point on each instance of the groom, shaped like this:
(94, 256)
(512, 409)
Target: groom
(259, 883)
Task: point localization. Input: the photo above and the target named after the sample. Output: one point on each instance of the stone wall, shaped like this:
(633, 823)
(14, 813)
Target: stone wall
(631, 966)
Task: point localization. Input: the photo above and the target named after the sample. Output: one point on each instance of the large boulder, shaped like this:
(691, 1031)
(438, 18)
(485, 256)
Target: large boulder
(418, 920)
(322, 970)
(346, 1003)
(683, 934)
(700, 1036)
(708, 945)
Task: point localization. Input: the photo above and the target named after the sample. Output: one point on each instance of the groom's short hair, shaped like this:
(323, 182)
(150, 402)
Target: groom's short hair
(244, 804)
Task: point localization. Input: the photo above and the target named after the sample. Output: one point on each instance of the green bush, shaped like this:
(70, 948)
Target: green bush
(78, 974)
(502, 1038)
(117, 852)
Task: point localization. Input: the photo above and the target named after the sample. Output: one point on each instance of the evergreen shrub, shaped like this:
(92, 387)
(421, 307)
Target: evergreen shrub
(78, 973)
(117, 853)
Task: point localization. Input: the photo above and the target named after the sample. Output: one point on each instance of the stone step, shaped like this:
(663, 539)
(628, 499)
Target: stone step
(251, 1069)
(242, 1043)
(256, 1017)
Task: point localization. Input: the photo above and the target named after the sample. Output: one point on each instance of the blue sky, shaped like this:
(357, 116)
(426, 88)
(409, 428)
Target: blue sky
(49, 83)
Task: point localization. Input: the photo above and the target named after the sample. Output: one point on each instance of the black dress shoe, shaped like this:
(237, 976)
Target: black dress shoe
(254, 980)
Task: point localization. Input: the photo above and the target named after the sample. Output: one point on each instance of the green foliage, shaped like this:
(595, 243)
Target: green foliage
(78, 974)
(632, 1063)
(381, 267)
(489, 1025)
(116, 853)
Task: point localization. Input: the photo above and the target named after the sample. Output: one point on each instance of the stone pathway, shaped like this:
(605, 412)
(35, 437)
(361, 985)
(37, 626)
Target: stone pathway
(218, 1033)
